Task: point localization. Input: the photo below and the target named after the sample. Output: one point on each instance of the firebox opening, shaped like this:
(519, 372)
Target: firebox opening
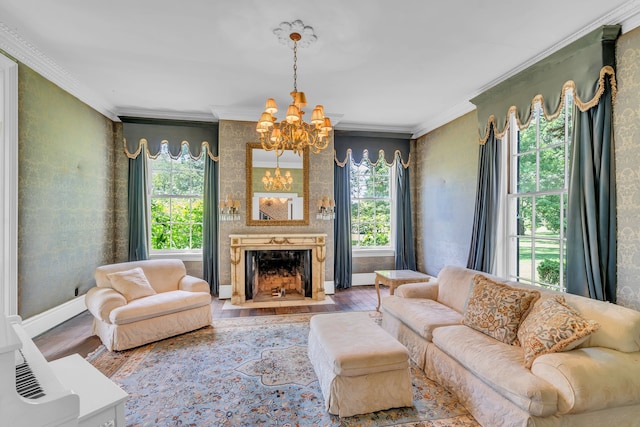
(276, 275)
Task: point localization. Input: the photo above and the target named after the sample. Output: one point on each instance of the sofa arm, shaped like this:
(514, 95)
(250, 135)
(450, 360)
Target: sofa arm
(193, 284)
(590, 379)
(101, 301)
(428, 290)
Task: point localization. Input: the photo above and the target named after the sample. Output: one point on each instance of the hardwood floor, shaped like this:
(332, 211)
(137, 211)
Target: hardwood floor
(75, 336)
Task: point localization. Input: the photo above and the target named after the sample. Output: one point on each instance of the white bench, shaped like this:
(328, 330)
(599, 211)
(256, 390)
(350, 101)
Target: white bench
(361, 368)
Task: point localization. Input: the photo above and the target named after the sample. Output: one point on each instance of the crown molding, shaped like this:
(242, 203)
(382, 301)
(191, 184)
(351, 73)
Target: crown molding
(632, 20)
(224, 112)
(166, 115)
(442, 119)
(23, 51)
(360, 127)
(628, 15)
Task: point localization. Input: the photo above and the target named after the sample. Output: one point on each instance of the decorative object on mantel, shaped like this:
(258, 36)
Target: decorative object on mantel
(326, 209)
(277, 182)
(229, 209)
(293, 133)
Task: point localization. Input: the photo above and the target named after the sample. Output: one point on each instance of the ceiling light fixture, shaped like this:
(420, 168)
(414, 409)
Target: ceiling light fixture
(293, 133)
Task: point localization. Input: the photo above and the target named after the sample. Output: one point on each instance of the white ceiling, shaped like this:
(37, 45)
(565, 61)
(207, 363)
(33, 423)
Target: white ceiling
(392, 65)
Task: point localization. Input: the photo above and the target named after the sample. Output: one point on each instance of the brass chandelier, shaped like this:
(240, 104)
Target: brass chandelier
(293, 133)
(277, 182)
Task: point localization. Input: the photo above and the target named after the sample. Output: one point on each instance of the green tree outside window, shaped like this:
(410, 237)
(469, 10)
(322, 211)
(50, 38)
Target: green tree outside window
(176, 201)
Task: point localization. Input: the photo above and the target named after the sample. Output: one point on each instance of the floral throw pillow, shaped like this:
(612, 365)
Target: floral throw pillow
(497, 309)
(552, 326)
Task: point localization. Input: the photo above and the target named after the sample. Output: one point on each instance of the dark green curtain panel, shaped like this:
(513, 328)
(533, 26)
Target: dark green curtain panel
(342, 266)
(210, 267)
(485, 217)
(404, 247)
(137, 204)
(591, 211)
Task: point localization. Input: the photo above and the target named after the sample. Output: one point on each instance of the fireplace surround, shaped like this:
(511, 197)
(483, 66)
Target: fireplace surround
(242, 243)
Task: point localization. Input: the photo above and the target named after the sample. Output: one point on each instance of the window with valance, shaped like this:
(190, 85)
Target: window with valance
(173, 190)
(576, 86)
(373, 205)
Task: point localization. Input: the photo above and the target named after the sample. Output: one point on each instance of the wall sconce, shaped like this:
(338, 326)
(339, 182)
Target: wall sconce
(229, 209)
(326, 209)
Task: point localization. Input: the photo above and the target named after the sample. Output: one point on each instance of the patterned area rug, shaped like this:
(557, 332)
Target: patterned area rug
(250, 372)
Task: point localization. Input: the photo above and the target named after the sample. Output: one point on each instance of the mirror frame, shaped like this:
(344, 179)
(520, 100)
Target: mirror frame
(249, 194)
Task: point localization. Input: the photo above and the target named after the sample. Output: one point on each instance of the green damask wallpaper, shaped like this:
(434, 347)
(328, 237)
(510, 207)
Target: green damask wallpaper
(68, 183)
(445, 187)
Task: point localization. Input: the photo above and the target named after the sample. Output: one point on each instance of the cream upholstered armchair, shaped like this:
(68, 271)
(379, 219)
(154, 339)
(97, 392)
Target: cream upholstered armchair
(134, 303)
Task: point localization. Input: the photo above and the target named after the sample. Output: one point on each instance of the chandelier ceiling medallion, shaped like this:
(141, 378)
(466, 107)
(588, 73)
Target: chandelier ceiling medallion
(277, 182)
(293, 133)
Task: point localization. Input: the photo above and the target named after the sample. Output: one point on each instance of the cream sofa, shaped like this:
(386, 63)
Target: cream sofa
(137, 315)
(595, 384)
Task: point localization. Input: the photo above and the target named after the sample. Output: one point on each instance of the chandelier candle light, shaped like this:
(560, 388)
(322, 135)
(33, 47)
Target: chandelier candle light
(326, 209)
(277, 182)
(293, 133)
(229, 209)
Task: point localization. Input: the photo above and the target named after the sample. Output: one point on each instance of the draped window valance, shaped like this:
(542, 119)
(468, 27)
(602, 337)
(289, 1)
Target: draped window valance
(200, 137)
(373, 143)
(582, 65)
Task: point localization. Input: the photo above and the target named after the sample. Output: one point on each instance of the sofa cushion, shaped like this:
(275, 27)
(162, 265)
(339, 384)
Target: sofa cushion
(497, 309)
(498, 365)
(422, 316)
(427, 290)
(552, 326)
(133, 284)
(158, 305)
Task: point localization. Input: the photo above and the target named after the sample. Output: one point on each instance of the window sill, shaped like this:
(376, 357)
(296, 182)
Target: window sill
(373, 252)
(184, 256)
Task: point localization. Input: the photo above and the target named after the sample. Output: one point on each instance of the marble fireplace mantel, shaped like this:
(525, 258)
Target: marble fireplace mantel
(240, 243)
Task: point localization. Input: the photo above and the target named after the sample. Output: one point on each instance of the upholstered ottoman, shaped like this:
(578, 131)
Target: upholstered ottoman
(360, 367)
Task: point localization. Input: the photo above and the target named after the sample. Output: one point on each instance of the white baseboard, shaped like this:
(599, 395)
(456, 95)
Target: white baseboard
(329, 288)
(224, 292)
(359, 279)
(42, 322)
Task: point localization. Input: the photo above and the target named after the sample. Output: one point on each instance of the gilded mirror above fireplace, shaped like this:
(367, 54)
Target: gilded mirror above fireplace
(272, 204)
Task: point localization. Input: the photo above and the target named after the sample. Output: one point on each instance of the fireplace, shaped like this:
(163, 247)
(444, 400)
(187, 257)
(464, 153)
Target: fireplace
(277, 267)
(277, 275)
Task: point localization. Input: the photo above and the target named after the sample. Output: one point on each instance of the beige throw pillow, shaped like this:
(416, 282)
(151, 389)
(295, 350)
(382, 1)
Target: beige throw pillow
(133, 284)
(496, 309)
(552, 326)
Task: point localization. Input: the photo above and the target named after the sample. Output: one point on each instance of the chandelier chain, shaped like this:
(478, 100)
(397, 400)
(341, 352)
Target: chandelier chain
(293, 132)
(295, 66)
